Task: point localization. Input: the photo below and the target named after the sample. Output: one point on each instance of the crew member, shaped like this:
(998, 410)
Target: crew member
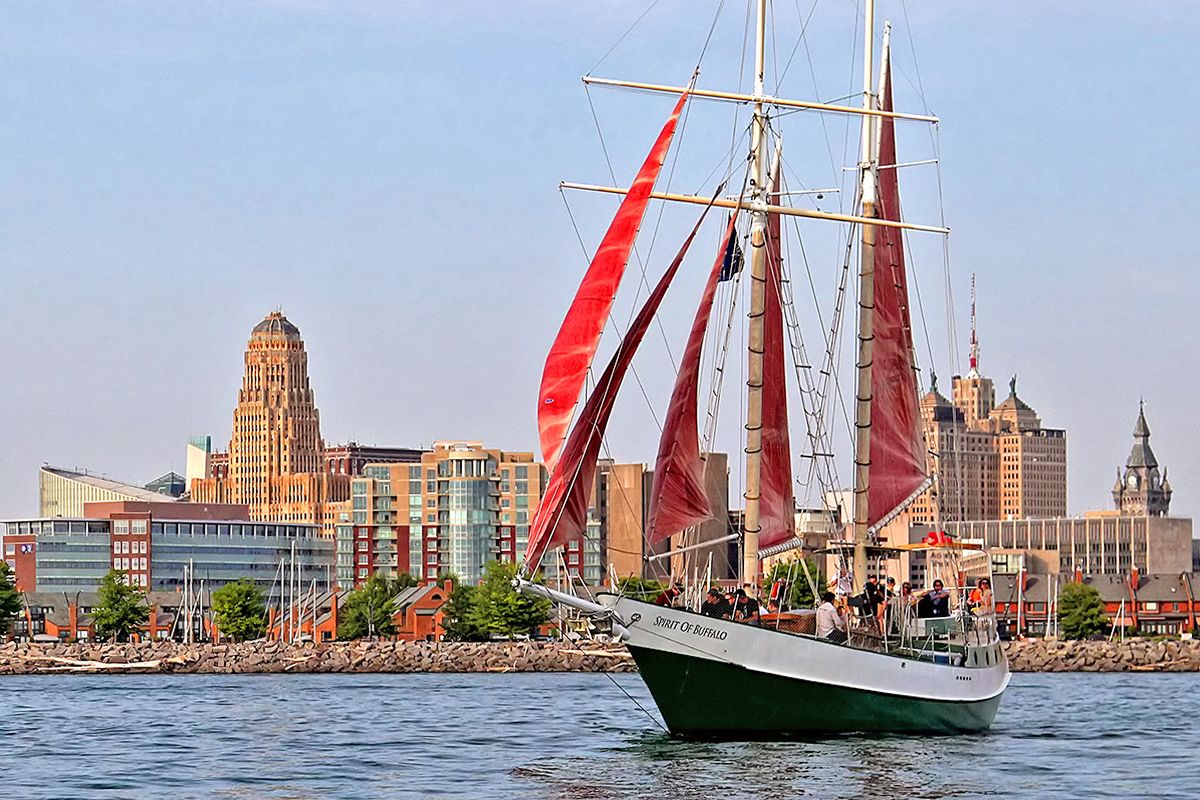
(831, 624)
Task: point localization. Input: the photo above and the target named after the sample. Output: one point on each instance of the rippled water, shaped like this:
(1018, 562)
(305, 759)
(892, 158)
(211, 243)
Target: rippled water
(559, 736)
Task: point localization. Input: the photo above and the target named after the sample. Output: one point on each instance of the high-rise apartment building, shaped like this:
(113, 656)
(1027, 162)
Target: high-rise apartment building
(459, 507)
(276, 461)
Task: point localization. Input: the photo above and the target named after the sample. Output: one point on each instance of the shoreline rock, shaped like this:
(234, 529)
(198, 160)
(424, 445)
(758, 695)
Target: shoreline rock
(362, 657)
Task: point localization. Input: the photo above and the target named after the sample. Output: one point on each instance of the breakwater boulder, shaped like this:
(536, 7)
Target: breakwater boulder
(309, 657)
(1131, 655)
(1032, 655)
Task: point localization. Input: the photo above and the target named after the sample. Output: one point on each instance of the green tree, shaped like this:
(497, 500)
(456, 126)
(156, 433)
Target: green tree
(239, 610)
(404, 580)
(456, 613)
(368, 610)
(799, 593)
(122, 610)
(10, 600)
(640, 588)
(496, 608)
(1080, 611)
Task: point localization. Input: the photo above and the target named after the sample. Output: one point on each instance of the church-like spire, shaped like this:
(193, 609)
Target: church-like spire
(1139, 488)
(1141, 455)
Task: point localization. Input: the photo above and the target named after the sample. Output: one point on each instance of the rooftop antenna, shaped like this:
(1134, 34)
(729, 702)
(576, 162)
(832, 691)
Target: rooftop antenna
(974, 357)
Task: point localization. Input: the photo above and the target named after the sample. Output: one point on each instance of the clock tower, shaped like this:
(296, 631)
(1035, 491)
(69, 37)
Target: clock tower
(1140, 488)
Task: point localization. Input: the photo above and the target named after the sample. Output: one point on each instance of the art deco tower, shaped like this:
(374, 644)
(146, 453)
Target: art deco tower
(276, 455)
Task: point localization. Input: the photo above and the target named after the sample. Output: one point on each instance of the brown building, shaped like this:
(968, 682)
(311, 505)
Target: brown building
(620, 508)
(352, 458)
(991, 461)
(276, 462)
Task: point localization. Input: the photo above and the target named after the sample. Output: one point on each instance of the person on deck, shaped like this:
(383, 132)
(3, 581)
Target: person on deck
(982, 601)
(872, 599)
(745, 608)
(831, 624)
(939, 600)
(888, 610)
(668, 595)
(714, 605)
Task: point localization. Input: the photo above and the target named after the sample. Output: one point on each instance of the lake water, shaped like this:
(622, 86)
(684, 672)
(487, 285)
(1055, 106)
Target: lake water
(559, 736)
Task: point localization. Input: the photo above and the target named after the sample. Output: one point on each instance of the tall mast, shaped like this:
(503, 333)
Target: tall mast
(866, 307)
(758, 284)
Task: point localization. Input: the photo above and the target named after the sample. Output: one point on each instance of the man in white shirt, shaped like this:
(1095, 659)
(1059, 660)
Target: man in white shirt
(830, 623)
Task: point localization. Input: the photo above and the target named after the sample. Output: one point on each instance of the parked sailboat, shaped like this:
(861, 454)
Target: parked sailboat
(905, 674)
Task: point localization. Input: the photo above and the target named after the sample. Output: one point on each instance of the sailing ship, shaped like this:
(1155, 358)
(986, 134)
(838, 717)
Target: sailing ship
(718, 677)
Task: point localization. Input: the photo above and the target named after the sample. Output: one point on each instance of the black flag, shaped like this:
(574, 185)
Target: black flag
(732, 264)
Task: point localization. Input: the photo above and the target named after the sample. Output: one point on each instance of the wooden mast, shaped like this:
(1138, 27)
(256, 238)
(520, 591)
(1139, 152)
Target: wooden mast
(758, 284)
(866, 312)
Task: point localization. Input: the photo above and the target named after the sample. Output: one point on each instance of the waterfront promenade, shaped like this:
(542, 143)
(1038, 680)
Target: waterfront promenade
(364, 657)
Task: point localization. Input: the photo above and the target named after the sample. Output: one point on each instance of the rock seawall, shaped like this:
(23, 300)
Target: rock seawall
(1132, 655)
(354, 657)
(1034, 655)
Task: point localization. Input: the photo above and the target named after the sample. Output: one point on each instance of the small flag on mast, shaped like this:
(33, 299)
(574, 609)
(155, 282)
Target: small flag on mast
(732, 264)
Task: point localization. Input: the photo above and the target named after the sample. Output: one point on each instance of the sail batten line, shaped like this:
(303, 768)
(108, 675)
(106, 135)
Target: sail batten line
(769, 208)
(764, 99)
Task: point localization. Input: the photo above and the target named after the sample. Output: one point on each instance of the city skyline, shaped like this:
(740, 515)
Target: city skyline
(146, 229)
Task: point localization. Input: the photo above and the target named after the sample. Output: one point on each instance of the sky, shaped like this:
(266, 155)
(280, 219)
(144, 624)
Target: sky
(387, 174)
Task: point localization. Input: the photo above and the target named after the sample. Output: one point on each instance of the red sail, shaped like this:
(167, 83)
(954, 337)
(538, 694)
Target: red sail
(575, 346)
(776, 506)
(897, 448)
(678, 496)
(562, 512)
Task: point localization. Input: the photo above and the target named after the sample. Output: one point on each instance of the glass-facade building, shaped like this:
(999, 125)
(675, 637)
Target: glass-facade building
(461, 507)
(73, 555)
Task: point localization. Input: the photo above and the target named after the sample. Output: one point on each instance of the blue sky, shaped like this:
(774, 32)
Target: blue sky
(387, 172)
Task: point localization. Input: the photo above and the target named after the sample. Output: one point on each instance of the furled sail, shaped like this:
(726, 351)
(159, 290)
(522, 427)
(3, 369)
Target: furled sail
(897, 447)
(575, 345)
(776, 506)
(678, 495)
(562, 513)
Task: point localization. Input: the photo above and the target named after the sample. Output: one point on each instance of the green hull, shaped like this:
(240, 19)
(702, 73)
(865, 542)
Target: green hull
(709, 699)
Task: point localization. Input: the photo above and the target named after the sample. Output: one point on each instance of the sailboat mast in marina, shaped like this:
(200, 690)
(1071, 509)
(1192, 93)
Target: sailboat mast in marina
(898, 671)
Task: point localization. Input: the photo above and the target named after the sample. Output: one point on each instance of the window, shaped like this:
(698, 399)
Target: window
(120, 526)
(362, 544)
(363, 558)
(139, 526)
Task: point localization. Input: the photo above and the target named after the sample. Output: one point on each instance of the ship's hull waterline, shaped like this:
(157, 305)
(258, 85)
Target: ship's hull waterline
(720, 679)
